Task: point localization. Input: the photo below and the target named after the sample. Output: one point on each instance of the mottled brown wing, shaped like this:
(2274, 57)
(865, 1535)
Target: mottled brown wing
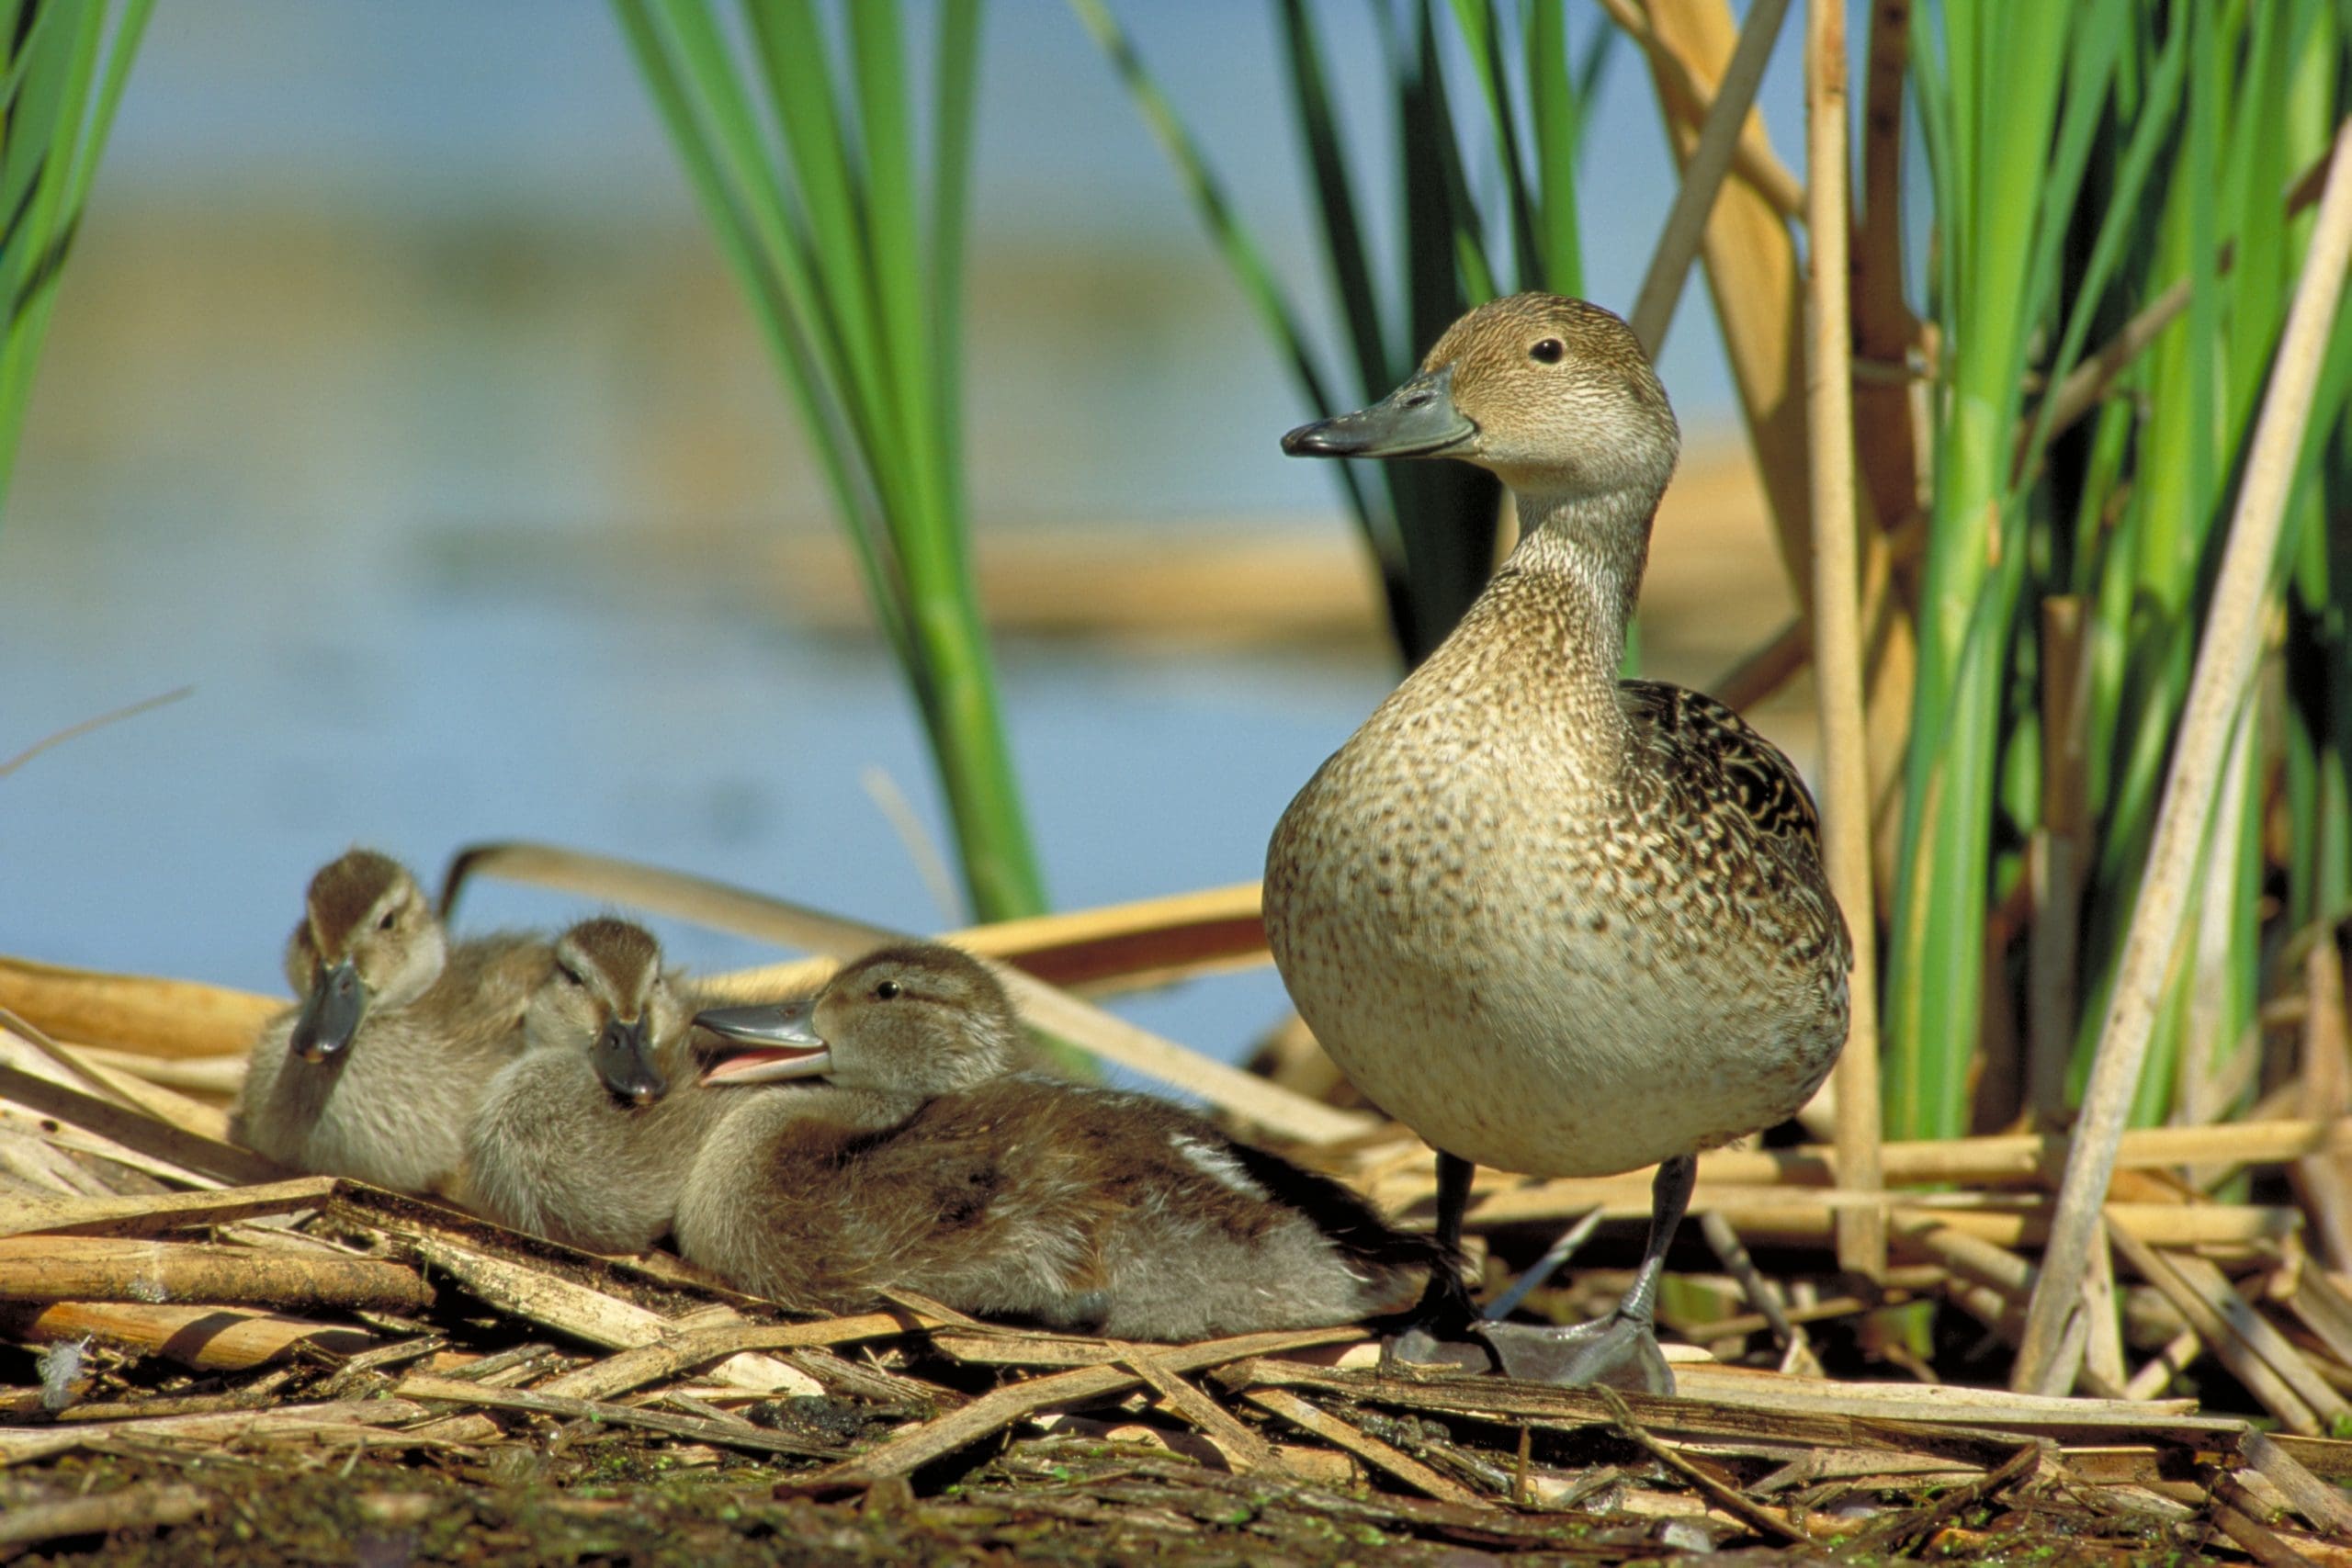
(1755, 778)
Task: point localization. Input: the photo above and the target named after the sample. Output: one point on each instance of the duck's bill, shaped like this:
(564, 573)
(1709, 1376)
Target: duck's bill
(330, 1014)
(624, 1059)
(762, 1045)
(1417, 420)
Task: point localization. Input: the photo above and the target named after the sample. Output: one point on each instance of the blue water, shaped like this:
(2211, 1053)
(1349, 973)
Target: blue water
(396, 402)
(346, 694)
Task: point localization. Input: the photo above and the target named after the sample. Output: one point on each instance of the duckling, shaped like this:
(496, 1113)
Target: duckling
(881, 1144)
(586, 1138)
(1557, 922)
(376, 1074)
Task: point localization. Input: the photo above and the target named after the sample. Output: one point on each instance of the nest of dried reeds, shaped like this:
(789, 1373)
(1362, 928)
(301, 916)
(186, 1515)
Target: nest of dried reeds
(207, 1344)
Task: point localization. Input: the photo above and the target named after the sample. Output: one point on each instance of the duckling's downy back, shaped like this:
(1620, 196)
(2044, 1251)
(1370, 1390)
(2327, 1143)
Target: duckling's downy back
(1033, 1199)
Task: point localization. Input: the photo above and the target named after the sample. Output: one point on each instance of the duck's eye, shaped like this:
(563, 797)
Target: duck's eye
(386, 923)
(885, 989)
(571, 975)
(1549, 351)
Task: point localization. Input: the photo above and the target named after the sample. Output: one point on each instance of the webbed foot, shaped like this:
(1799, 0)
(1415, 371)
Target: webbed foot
(1619, 1350)
(1434, 1344)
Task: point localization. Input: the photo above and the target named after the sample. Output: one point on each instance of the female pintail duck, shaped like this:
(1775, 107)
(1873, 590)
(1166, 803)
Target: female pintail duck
(1557, 922)
(586, 1138)
(889, 1148)
(376, 1074)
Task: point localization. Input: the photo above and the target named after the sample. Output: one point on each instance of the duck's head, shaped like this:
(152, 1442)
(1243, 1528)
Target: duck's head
(606, 993)
(368, 938)
(1552, 395)
(920, 1020)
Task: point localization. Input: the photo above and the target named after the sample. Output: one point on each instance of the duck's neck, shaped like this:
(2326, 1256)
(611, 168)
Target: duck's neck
(1588, 552)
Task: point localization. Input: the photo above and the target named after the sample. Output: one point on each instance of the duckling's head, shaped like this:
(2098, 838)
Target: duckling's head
(368, 938)
(918, 1020)
(606, 993)
(1552, 395)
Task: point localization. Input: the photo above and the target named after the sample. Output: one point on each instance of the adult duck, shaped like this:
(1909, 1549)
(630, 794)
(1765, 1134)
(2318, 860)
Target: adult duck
(1555, 921)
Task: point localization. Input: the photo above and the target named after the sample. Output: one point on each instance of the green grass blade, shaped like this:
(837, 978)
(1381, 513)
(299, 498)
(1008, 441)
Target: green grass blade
(1342, 231)
(1558, 104)
(956, 100)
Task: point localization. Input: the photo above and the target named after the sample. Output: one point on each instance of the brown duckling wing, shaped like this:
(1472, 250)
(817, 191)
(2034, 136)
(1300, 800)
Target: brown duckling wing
(1199, 1233)
(963, 1201)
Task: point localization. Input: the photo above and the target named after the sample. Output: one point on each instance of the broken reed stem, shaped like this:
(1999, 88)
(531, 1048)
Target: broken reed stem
(1751, 154)
(2226, 661)
(1738, 1504)
(1686, 224)
(1837, 624)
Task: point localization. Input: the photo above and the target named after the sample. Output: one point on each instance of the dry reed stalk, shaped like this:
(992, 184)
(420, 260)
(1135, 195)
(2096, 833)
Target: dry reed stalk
(346, 1423)
(1702, 175)
(2255, 1352)
(207, 1339)
(1808, 1216)
(2323, 1179)
(2006, 1159)
(1139, 943)
(152, 1215)
(1050, 1009)
(1772, 664)
(115, 1268)
(585, 1312)
(1313, 1418)
(131, 1012)
(2103, 1356)
(126, 1509)
(1245, 1452)
(991, 1413)
(1752, 154)
(1751, 272)
(2057, 858)
(1837, 624)
(2225, 662)
(135, 1137)
(1885, 331)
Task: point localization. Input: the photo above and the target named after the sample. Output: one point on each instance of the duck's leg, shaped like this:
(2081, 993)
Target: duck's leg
(1621, 1348)
(1445, 1331)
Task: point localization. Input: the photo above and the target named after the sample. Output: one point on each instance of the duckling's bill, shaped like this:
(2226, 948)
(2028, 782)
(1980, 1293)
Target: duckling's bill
(624, 1059)
(762, 1043)
(330, 1014)
(1417, 420)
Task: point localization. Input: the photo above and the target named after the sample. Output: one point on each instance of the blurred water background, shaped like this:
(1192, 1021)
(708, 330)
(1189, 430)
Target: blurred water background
(397, 401)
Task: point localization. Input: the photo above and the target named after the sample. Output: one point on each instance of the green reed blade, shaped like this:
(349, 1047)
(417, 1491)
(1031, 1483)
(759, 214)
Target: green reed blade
(852, 265)
(1247, 263)
(1342, 231)
(52, 136)
(1558, 103)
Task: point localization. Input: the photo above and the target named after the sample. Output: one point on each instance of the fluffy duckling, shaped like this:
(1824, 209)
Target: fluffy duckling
(880, 1143)
(586, 1138)
(376, 1074)
(1557, 922)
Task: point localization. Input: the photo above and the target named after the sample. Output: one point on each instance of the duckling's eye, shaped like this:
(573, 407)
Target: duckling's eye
(571, 975)
(386, 923)
(886, 990)
(1550, 351)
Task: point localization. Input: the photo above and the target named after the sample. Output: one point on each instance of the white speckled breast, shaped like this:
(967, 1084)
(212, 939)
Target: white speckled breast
(1527, 917)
